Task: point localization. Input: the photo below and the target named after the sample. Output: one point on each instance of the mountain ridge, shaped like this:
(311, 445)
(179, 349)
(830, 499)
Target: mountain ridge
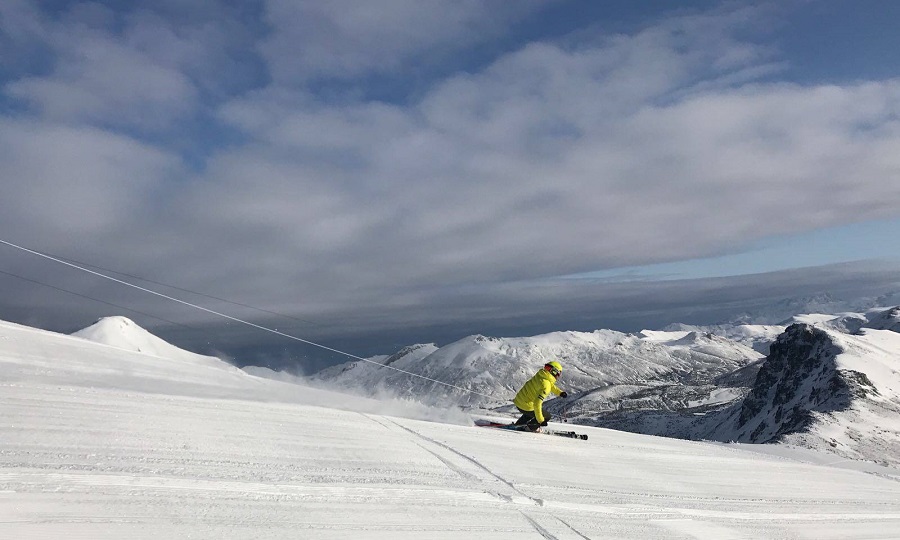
(499, 366)
(690, 382)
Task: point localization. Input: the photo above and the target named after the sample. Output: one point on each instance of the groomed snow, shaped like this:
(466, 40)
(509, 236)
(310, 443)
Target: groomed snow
(100, 442)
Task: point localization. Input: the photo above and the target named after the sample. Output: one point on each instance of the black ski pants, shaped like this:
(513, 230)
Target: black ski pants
(529, 419)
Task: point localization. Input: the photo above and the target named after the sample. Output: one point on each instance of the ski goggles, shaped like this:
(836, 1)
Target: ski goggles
(553, 371)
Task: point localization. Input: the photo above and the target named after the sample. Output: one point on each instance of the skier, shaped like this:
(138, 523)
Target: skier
(530, 398)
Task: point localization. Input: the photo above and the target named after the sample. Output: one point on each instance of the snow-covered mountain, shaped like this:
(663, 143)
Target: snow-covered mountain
(761, 336)
(756, 336)
(493, 369)
(826, 384)
(686, 381)
(820, 388)
(782, 311)
(884, 320)
(101, 442)
(616, 404)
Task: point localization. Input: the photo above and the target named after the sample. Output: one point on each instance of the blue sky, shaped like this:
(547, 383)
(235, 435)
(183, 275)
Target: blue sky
(366, 165)
(834, 41)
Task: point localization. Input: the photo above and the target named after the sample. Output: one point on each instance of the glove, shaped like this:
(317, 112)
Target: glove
(543, 424)
(563, 394)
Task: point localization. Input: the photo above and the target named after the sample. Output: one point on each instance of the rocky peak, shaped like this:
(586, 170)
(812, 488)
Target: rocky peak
(799, 376)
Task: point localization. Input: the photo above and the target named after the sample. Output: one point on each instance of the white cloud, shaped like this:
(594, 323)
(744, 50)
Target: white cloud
(62, 184)
(559, 157)
(109, 84)
(127, 70)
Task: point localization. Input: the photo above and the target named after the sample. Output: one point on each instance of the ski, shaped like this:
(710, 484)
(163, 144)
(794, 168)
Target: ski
(523, 429)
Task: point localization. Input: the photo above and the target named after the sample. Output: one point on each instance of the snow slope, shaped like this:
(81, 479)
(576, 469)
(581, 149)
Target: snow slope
(29, 354)
(100, 442)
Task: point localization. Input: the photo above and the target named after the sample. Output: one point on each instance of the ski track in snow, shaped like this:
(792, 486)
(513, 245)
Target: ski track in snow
(542, 531)
(91, 447)
(519, 497)
(492, 477)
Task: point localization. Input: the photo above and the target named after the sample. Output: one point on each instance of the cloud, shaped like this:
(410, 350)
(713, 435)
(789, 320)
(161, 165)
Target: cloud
(536, 307)
(560, 158)
(134, 70)
(564, 155)
(759, 151)
(115, 87)
(61, 183)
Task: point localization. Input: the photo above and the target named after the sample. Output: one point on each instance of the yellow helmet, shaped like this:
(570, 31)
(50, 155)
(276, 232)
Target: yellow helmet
(554, 367)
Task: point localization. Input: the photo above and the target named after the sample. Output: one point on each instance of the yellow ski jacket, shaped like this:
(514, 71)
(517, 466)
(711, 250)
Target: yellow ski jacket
(531, 396)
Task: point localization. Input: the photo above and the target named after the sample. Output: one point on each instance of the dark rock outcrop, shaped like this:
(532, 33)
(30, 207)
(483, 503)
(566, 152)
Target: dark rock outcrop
(798, 378)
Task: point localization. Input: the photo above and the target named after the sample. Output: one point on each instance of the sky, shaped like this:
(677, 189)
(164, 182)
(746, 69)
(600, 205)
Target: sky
(372, 174)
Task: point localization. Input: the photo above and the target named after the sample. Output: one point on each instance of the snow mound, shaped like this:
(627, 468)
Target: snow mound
(123, 333)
